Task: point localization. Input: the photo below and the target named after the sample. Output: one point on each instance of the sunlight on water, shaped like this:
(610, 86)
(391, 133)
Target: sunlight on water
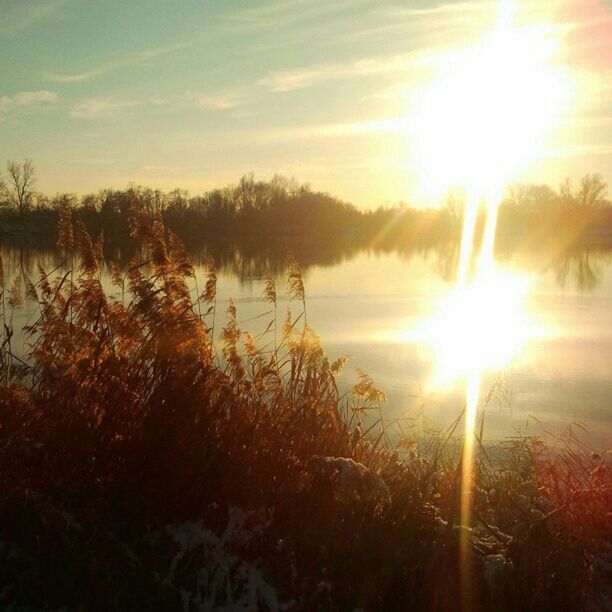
(478, 326)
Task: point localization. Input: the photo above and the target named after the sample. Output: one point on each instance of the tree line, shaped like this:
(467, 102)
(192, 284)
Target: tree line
(282, 209)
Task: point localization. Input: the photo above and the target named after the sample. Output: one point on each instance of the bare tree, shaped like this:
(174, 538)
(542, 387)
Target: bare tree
(454, 205)
(566, 192)
(531, 196)
(20, 184)
(3, 193)
(592, 190)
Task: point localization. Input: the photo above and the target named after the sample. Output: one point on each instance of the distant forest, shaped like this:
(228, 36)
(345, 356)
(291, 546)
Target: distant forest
(282, 211)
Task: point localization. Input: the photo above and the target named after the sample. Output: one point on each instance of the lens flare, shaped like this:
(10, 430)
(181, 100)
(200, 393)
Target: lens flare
(491, 108)
(483, 121)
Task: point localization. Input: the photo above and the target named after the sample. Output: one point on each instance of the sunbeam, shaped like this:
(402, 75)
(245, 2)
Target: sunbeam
(483, 121)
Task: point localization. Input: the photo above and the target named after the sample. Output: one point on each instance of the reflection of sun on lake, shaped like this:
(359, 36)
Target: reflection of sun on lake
(476, 327)
(484, 120)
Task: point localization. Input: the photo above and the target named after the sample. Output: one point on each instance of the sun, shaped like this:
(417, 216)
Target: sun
(488, 112)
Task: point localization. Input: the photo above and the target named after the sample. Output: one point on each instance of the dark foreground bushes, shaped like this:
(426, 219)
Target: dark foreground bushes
(146, 466)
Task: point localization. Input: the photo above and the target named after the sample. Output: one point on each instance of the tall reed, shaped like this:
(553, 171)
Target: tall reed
(143, 468)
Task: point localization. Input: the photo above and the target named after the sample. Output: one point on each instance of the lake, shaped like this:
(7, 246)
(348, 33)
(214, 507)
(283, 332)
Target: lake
(367, 304)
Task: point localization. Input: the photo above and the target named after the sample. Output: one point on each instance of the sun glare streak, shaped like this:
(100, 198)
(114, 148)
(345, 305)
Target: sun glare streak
(467, 236)
(484, 120)
(465, 504)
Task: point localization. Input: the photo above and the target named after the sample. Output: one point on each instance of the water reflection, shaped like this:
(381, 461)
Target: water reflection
(581, 267)
(476, 327)
(361, 301)
(584, 268)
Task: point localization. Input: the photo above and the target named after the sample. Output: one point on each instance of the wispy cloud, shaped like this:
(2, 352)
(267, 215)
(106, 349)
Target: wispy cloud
(435, 25)
(27, 99)
(131, 59)
(22, 14)
(387, 125)
(283, 13)
(206, 101)
(445, 8)
(299, 78)
(75, 77)
(264, 11)
(580, 150)
(288, 80)
(97, 107)
(222, 102)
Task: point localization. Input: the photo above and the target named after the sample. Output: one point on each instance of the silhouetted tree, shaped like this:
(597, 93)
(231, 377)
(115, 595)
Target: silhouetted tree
(592, 190)
(18, 190)
(566, 192)
(532, 197)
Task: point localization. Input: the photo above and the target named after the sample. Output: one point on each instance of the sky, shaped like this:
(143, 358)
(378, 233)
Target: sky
(196, 93)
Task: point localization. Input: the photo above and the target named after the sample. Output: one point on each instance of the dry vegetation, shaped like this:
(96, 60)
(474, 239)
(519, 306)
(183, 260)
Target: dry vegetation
(141, 468)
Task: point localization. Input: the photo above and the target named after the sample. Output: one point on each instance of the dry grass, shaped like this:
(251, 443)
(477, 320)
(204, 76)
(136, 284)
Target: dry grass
(142, 470)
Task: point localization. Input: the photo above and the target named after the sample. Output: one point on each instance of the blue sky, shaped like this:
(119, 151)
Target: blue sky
(195, 93)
